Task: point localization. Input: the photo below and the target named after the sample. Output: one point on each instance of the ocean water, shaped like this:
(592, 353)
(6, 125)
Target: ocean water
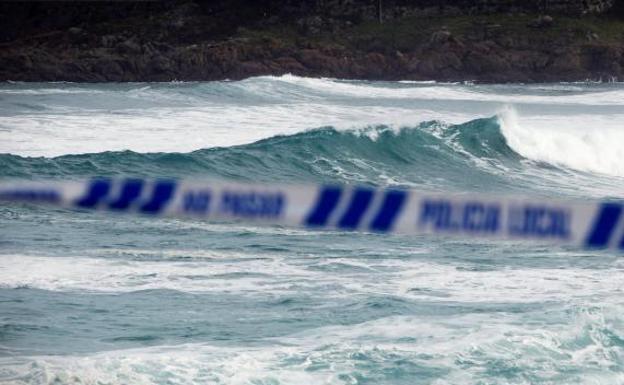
(90, 298)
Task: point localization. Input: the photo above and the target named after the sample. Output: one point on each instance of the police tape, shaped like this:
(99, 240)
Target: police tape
(585, 224)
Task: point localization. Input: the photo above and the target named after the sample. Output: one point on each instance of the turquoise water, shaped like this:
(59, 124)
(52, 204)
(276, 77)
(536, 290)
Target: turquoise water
(88, 298)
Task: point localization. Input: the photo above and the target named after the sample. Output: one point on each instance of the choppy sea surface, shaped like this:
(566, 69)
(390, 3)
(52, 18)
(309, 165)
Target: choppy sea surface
(89, 298)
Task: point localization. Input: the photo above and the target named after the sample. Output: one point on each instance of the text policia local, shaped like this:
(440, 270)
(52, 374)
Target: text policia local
(487, 218)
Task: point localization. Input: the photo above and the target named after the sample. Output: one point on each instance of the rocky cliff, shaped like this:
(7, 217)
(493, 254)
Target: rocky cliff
(453, 40)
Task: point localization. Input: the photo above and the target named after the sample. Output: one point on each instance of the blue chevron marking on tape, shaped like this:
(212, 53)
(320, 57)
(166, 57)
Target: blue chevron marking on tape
(621, 243)
(325, 205)
(604, 225)
(98, 190)
(360, 201)
(163, 192)
(390, 208)
(130, 191)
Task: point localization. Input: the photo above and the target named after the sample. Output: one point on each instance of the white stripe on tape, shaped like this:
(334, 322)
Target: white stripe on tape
(587, 224)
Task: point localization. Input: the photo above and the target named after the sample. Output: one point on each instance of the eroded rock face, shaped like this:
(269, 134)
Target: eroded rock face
(187, 42)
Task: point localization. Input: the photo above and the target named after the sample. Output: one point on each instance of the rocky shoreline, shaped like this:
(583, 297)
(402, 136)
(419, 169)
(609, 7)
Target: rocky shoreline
(184, 42)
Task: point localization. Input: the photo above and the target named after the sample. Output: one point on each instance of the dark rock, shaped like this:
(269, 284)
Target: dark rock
(592, 36)
(506, 42)
(428, 68)
(483, 47)
(376, 59)
(615, 69)
(162, 47)
(247, 69)
(492, 31)
(412, 64)
(449, 60)
(375, 64)
(435, 62)
(567, 62)
(547, 20)
(540, 62)
(289, 64)
(402, 60)
(479, 63)
(312, 25)
(314, 59)
(441, 36)
(148, 49)
(544, 21)
(27, 62)
(78, 70)
(128, 47)
(182, 15)
(109, 41)
(15, 64)
(601, 57)
(77, 35)
(356, 69)
(225, 57)
(75, 31)
(49, 71)
(109, 68)
(159, 64)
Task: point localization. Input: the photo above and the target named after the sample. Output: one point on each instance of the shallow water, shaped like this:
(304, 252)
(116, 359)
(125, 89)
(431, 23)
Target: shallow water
(88, 298)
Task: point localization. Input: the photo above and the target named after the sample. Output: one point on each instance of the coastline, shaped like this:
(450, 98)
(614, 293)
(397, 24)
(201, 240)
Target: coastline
(180, 43)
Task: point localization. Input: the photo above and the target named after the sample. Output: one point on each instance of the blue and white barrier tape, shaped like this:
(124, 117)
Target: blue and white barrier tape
(586, 224)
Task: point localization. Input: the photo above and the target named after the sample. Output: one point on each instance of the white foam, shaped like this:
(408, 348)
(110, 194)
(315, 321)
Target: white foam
(518, 285)
(457, 92)
(187, 129)
(462, 349)
(591, 143)
(44, 91)
(227, 272)
(187, 364)
(204, 272)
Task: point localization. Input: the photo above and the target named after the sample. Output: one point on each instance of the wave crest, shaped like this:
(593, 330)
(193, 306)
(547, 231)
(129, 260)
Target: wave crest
(380, 155)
